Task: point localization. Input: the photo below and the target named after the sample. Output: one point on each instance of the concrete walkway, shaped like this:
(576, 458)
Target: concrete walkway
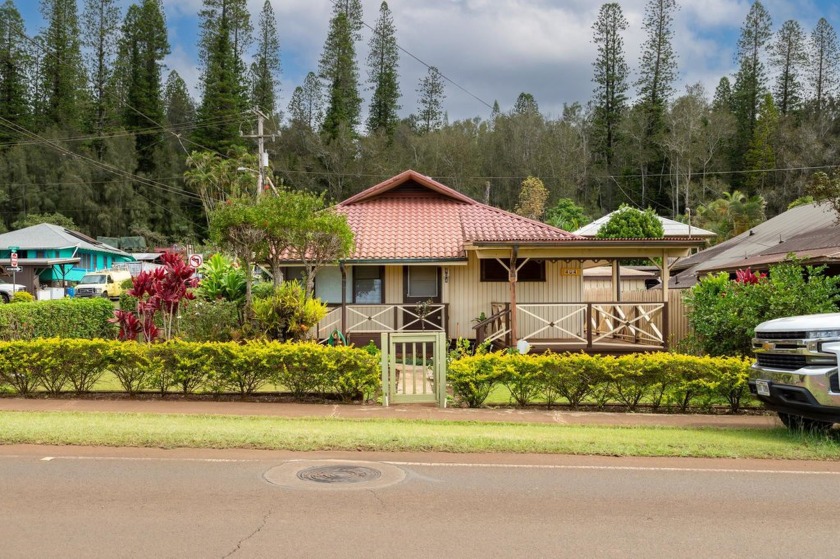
(415, 411)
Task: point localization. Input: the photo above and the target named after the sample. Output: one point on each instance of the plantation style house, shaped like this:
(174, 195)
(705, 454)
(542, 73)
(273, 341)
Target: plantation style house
(430, 258)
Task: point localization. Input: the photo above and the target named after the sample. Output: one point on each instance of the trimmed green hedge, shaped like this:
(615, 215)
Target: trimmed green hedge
(57, 365)
(651, 378)
(61, 318)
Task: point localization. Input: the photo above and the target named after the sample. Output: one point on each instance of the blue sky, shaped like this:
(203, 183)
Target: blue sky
(493, 49)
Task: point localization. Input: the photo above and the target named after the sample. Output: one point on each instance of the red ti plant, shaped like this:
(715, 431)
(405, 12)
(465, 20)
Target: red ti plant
(161, 290)
(748, 276)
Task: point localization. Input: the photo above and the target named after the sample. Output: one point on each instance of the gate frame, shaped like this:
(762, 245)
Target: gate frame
(389, 362)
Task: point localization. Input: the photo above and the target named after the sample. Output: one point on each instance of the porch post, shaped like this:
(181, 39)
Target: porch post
(666, 277)
(343, 269)
(513, 272)
(616, 280)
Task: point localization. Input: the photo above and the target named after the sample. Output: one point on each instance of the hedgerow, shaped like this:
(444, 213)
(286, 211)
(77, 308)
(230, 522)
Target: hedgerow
(651, 378)
(61, 318)
(56, 365)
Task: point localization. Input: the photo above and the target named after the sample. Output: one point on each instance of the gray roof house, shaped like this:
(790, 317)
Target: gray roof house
(672, 228)
(809, 231)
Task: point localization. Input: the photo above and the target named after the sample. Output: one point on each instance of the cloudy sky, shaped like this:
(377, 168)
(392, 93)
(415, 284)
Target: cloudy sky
(494, 49)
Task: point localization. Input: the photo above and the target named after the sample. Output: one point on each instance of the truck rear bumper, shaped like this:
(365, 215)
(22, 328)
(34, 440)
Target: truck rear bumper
(811, 392)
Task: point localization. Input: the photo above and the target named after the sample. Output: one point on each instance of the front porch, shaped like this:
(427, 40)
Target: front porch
(593, 327)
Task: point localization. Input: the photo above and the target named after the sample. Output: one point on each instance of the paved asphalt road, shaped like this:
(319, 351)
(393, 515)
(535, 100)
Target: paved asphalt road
(95, 502)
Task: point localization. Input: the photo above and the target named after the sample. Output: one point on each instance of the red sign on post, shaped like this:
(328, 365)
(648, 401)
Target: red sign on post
(13, 260)
(196, 260)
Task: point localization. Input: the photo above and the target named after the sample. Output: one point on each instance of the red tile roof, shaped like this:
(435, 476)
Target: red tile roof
(411, 216)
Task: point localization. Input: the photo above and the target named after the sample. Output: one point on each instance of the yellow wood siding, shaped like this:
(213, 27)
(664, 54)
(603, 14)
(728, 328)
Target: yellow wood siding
(468, 296)
(393, 284)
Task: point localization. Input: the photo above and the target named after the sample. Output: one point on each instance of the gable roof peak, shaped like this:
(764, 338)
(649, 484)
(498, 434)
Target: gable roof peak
(405, 177)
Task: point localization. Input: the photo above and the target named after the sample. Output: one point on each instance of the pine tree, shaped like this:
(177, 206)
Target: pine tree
(224, 98)
(610, 78)
(658, 64)
(526, 105)
(383, 61)
(101, 22)
(339, 70)
(62, 74)
(750, 81)
(143, 45)
(307, 104)
(15, 62)
(788, 56)
(760, 155)
(825, 55)
(178, 104)
(430, 99)
(265, 71)
(723, 96)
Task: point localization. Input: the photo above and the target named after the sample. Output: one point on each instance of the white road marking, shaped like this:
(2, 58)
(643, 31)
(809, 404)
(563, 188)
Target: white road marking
(443, 464)
(619, 468)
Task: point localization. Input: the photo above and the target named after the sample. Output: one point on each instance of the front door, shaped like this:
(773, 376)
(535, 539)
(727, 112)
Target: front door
(421, 295)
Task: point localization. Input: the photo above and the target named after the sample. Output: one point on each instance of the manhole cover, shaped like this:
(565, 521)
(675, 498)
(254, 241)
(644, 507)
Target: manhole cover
(339, 474)
(334, 475)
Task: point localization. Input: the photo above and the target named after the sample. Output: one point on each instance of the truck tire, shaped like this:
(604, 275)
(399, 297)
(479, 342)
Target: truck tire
(5, 297)
(803, 424)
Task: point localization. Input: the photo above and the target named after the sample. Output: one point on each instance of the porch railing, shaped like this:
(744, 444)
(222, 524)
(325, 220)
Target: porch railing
(367, 319)
(578, 324)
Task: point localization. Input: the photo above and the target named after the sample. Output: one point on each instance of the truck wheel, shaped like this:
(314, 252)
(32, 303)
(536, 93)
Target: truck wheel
(799, 424)
(5, 297)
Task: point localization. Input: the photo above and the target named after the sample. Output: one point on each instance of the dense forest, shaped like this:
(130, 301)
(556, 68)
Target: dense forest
(93, 127)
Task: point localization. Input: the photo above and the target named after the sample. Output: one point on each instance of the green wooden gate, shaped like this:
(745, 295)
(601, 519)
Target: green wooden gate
(414, 368)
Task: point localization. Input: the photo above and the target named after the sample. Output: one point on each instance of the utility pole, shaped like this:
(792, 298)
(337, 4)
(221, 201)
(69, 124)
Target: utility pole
(262, 156)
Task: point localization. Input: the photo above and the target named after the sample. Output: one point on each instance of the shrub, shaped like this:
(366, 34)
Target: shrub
(210, 321)
(22, 297)
(132, 364)
(523, 375)
(575, 376)
(304, 364)
(221, 280)
(183, 365)
(84, 361)
(62, 318)
(473, 377)
(723, 314)
(288, 314)
(353, 373)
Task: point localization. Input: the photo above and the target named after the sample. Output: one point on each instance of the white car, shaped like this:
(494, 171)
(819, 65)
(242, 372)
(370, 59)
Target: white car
(8, 289)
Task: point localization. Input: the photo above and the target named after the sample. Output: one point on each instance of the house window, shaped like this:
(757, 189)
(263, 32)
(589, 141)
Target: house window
(422, 281)
(533, 270)
(85, 261)
(367, 285)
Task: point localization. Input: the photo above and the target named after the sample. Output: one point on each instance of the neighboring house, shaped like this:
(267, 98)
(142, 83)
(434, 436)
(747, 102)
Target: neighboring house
(809, 231)
(429, 257)
(49, 255)
(672, 229)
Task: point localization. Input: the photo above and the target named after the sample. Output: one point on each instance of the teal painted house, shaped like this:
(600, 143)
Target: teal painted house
(53, 254)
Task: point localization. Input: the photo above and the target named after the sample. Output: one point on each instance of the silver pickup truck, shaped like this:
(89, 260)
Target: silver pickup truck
(7, 291)
(796, 369)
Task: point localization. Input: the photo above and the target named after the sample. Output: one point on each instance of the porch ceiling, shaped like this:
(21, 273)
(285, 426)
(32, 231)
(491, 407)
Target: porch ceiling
(589, 250)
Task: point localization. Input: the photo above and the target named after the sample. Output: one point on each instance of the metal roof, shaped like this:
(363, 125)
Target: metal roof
(46, 236)
(805, 227)
(671, 228)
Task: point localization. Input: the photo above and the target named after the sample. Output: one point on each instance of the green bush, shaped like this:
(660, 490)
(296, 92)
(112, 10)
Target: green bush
(631, 380)
(723, 313)
(288, 314)
(132, 364)
(209, 321)
(221, 280)
(60, 318)
(22, 297)
(473, 377)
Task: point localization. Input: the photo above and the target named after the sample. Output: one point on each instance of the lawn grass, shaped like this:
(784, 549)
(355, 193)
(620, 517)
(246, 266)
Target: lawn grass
(198, 431)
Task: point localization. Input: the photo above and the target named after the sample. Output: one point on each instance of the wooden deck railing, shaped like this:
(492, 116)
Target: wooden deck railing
(368, 319)
(578, 325)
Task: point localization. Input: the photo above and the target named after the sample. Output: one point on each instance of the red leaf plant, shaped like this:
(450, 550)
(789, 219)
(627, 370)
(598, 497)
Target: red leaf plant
(162, 290)
(748, 276)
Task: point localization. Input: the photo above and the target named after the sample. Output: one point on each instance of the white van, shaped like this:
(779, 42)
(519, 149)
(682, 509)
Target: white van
(105, 283)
